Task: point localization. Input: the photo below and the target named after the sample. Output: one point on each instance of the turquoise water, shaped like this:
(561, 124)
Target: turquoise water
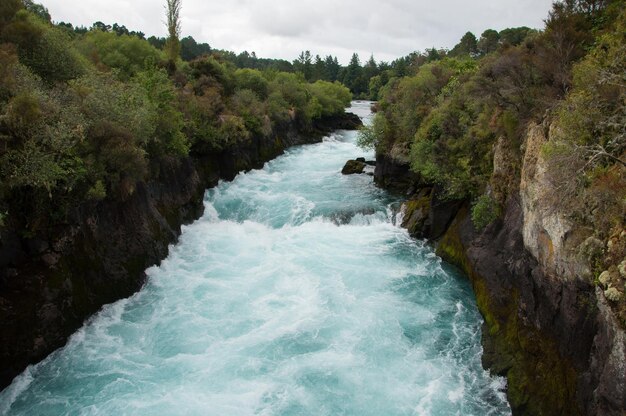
(295, 294)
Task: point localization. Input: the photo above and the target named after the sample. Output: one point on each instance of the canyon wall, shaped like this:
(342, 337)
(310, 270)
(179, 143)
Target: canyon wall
(548, 326)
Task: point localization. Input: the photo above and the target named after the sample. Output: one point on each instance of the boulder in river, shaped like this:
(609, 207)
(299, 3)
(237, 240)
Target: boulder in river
(353, 166)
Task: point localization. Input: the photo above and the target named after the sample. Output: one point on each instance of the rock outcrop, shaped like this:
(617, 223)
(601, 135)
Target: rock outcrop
(395, 175)
(547, 326)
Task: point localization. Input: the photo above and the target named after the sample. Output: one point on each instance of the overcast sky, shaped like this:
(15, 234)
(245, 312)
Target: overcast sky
(282, 28)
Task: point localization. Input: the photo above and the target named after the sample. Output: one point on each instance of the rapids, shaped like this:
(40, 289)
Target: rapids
(294, 294)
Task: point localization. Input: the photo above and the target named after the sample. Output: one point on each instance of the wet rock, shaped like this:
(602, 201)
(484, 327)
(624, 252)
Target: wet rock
(344, 217)
(394, 175)
(441, 214)
(415, 214)
(353, 167)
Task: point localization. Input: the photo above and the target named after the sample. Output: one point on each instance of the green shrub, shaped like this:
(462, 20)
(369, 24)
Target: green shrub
(207, 69)
(253, 80)
(332, 97)
(97, 192)
(44, 48)
(292, 88)
(245, 104)
(128, 54)
(232, 130)
(453, 146)
(23, 112)
(367, 137)
(485, 210)
(167, 134)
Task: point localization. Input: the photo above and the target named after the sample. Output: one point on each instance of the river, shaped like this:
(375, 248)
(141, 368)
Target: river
(294, 294)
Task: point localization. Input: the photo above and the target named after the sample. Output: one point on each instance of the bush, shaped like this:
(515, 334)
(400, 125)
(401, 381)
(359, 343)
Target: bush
(44, 48)
(97, 192)
(332, 97)
(232, 130)
(115, 157)
(209, 70)
(102, 97)
(453, 146)
(253, 80)
(368, 137)
(167, 135)
(8, 62)
(485, 210)
(586, 152)
(128, 54)
(246, 105)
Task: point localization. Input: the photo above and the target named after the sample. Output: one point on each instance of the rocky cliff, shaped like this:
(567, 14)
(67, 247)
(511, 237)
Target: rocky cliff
(50, 283)
(548, 326)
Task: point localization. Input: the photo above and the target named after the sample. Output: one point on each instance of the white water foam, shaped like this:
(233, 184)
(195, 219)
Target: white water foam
(294, 294)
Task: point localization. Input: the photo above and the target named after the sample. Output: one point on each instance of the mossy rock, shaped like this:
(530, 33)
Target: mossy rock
(353, 167)
(416, 213)
(540, 380)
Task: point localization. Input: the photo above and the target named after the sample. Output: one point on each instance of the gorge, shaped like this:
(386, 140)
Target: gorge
(295, 293)
(180, 232)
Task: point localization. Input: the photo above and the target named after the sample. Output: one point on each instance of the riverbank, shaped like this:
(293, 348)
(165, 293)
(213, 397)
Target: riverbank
(294, 293)
(51, 283)
(547, 327)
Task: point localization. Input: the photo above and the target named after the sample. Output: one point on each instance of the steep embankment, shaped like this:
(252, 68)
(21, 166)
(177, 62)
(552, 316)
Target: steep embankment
(49, 284)
(547, 327)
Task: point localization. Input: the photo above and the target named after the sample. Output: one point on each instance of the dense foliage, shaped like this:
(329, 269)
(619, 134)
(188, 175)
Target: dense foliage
(85, 116)
(448, 118)
(364, 79)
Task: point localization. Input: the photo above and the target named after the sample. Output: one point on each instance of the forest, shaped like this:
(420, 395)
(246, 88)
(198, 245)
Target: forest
(85, 115)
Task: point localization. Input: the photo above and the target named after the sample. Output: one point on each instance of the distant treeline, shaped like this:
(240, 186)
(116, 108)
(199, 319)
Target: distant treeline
(364, 79)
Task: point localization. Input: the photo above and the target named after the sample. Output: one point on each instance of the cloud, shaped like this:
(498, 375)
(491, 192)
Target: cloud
(283, 28)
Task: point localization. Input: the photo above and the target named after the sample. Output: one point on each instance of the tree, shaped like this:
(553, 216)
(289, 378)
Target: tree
(37, 9)
(353, 76)
(101, 26)
(119, 30)
(172, 46)
(488, 42)
(332, 67)
(304, 64)
(158, 43)
(515, 35)
(8, 9)
(468, 45)
(319, 69)
(370, 69)
(190, 49)
(433, 54)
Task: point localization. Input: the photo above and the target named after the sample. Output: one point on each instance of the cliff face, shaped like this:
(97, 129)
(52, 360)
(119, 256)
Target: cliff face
(547, 327)
(50, 283)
